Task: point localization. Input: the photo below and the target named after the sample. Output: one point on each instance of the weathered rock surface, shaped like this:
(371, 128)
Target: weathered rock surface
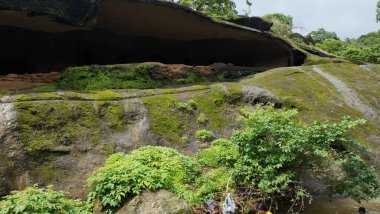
(26, 81)
(255, 95)
(158, 202)
(88, 32)
(68, 162)
(12, 156)
(253, 22)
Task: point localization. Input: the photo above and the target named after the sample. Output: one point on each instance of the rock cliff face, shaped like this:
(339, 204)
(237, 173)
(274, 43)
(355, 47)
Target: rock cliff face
(44, 35)
(60, 138)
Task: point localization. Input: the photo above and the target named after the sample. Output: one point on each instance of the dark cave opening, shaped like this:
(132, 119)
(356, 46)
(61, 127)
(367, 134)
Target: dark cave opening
(29, 51)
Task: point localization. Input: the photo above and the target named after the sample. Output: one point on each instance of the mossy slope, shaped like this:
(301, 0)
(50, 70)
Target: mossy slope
(317, 98)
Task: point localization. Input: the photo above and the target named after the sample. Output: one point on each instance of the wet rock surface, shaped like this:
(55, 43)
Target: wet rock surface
(158, 202)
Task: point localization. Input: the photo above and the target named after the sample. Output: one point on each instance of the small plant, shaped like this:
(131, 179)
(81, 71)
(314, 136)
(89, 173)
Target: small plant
(124, 176)
(193, 104)
(222, 153)
(184, 139)
(40, 200)
(202, 119)
(204, 135)
(182, 106)
(188, 107)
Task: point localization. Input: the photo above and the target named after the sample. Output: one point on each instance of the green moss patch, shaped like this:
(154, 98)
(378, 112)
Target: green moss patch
(166, 121)
(136, 76)
(46, 173)
(313, 95)
(51, 125)
(38, 96)
(364, 82)
(175, 118)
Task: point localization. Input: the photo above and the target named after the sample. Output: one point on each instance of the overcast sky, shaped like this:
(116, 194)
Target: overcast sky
(348, 18)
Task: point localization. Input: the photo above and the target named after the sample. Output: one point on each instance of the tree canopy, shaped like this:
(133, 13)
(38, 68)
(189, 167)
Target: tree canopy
(215, 8)
(321, 35)
(282, 24)
(365, 48)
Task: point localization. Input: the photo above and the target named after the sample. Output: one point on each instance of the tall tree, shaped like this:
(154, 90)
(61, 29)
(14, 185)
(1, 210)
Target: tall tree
(282, 24)
(321, 35)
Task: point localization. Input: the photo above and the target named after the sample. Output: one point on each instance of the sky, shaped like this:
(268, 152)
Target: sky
(348, 18)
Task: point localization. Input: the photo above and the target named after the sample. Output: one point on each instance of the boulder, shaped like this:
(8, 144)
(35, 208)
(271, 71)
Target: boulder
(158, 202)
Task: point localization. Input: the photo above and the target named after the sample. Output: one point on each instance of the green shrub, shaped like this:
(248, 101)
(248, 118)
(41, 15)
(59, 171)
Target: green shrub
(211, 183)
(267, 158)
(202, 119)
(222, 153)
(204, 135)
(39, 200)
(107, 77)
(124, 176)
(185, 107)
(275, 151)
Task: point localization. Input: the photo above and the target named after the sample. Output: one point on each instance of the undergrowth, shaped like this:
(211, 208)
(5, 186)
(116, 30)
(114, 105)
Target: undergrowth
(139, 76)
(41, 200)
(264, 160)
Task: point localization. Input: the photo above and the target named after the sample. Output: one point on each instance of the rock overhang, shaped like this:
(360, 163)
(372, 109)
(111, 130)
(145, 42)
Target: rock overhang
(128, 31)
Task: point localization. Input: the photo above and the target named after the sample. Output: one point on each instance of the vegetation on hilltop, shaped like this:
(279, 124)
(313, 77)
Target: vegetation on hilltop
(136, 76)
(215, 8)
(365, 48)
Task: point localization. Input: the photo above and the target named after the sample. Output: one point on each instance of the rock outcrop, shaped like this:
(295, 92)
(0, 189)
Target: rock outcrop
(253, 22)
(158, 202)
(40, 36)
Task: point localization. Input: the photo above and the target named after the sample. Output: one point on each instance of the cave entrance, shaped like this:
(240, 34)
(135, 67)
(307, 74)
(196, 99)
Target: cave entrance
(29, 51)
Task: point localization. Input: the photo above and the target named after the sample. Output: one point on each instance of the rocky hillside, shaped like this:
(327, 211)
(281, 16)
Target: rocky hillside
(61, 137)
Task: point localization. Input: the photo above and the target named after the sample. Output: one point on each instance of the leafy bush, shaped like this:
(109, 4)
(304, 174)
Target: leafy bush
(204, 135)
(124, 176)
(275, 151)
(186, 107)
(202, 119)
(39, 200)
(222, 153)
(211, 183)
(282, 24)
(107, 77)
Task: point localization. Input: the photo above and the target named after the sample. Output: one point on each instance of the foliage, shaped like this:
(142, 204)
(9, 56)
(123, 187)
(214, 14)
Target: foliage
(378, 12)
(109, 77)
(39, 200)
(222, 153)
(139, 76)
(266, 159)
(204, 135)
(365, 48)
(44, 125)
(276, 151)
(321, 35)
(282, 24)
(124, 176)
(211, 183)
(215, 8)
(356, 171)
(187, 107)
(202, 119)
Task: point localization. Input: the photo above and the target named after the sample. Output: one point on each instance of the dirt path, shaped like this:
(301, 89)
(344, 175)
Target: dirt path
(350, 97)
